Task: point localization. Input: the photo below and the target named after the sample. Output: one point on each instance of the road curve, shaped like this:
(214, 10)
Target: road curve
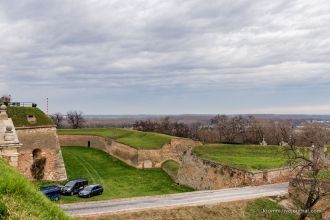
(174, 200)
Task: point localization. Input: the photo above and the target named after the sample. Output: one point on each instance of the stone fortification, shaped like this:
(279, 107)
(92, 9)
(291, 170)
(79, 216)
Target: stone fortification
(21, 146)
(140, 158)
(203, 174)
(43, 141)
(9, 143)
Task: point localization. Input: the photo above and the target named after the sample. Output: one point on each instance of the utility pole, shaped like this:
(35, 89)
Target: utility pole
(47, 106)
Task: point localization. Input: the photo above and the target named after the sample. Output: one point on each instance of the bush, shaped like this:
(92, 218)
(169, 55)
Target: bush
(3, 211)
(34, 105)
(38, 168)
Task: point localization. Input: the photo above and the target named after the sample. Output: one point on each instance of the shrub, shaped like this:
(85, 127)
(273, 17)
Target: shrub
(38, 168)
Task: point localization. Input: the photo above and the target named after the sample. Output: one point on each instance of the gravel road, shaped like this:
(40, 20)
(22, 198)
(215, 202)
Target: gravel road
(174, 200)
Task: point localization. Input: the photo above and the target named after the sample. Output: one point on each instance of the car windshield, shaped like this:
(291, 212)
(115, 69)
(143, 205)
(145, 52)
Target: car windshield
(70, 184)
(89, 188)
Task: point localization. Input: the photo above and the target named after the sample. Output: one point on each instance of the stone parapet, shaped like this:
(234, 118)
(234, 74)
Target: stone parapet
(205, 175)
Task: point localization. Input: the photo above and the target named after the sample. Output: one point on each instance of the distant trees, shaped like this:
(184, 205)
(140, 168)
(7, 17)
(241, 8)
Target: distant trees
(223, 129)
(75, 119)
(58, 119)
(164, 126)
(240, 129)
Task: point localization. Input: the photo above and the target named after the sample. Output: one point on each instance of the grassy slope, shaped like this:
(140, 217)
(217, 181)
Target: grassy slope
(250, 157)
(22, 199)
(136, 139)
(171, 167)
(19, 116)
(119, 180)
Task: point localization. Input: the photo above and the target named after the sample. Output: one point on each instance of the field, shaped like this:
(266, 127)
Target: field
(250, 157)
(136, 139)
(119, 180)
(20, 199)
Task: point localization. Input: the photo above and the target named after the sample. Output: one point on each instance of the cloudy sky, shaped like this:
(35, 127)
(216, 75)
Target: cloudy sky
(167, 57)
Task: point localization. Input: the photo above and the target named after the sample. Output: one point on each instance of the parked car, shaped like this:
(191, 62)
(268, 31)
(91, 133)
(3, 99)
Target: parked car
(91, 190)
(52, 192)
(74, 186)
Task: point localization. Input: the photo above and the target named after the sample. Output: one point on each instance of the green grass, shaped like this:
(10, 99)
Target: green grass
(136, 139)
(249, 157)
(19, 116)
(325, 174)
(21, 199)
(171, 167)
(119, 180)
(266, 209)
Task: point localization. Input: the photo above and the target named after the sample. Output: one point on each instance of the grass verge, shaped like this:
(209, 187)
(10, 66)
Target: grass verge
(136, 139)
(249, 157)
(119, 179)
(20, 199)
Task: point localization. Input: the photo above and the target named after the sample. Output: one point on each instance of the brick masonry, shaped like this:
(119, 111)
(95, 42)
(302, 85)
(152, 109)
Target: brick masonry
(45, 139)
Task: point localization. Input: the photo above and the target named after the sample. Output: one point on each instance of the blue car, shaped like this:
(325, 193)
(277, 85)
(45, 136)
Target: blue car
(91, 190)
(52, 192)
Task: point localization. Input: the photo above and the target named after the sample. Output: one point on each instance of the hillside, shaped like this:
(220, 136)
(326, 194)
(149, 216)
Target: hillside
(136, 139)
(20, 199)
(118, 179)
(19, 115)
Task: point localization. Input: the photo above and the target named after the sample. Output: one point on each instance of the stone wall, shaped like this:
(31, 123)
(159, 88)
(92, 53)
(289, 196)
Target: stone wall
(139, 158)
(204, 175)
(45, 140)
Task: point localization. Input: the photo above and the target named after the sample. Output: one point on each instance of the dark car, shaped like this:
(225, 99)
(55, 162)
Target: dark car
(52, 192)
(74, 186)
(91, 190)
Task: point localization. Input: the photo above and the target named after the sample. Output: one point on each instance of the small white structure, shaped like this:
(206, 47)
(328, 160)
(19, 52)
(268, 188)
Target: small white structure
(263, 143)
(9, 142)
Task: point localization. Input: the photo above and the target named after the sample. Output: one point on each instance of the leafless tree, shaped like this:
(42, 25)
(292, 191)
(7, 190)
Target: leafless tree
(308, 165)
(75, 119)
(58, 119)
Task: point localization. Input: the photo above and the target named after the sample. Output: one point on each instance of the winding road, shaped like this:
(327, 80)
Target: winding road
(174, 200)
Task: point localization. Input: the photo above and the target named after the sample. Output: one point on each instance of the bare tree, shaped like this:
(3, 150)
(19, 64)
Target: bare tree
(308, 165)
(58, 119)
(75, 119)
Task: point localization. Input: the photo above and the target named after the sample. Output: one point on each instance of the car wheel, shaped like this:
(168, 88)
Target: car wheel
(89, 195)
(71, 193)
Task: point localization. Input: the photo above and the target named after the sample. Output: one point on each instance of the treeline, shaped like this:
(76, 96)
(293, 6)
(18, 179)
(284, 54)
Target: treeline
(224, 129)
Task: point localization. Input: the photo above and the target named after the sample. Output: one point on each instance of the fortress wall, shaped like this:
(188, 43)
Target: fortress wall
(124, 153)
(203, 174)
(82, 141)
(46, 140)
(139, 158)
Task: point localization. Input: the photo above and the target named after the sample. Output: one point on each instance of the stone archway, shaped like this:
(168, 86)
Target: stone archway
(36, 154)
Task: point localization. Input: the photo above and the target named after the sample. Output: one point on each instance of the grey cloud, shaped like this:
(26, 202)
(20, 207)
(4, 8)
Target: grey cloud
(164, 43)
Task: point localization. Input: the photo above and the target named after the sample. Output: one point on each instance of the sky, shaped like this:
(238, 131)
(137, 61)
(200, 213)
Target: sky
(167, 57)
